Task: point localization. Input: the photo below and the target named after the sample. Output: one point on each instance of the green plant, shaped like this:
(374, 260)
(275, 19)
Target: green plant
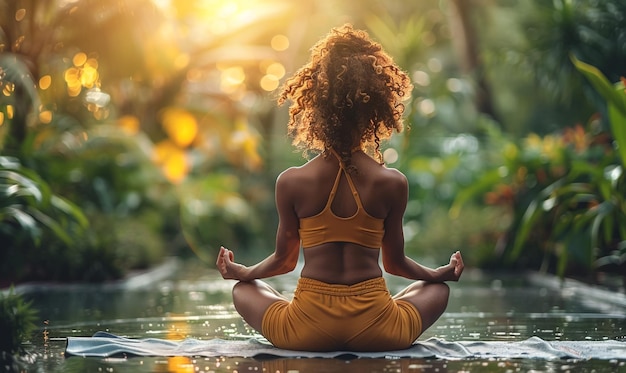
(587, 206)
(612, 215)
(565, 192)
(17, 322)
(29, 209)
(31, 215)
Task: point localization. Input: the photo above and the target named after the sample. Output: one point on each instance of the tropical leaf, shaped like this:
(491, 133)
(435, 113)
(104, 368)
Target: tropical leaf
(26, 221)
(617, 118)
(26, 199)
(19, 185)
(597, 79)
(51, 224)
(70, 209)
(616, 102)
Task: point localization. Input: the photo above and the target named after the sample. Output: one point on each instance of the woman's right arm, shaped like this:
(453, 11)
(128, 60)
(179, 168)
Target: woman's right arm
(395, 260)
(285, 256)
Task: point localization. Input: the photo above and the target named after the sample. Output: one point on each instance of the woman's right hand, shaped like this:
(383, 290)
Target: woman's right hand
(226, 265)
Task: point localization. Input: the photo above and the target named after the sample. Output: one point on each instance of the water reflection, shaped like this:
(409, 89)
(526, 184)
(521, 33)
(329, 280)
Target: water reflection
(198, 305)
(237, 365)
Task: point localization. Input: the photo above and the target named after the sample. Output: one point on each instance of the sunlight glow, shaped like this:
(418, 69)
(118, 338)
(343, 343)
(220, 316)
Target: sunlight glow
(274, 71)
(269, 83)
(242, 145)
(226, 14)
(129, 124)
(172, 160)
(232, 79)
(280, 43)
(84, 73)
(180, 364)
(180, 125)
(277, 69)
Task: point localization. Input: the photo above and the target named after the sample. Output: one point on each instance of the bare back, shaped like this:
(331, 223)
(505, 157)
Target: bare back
(342, 262)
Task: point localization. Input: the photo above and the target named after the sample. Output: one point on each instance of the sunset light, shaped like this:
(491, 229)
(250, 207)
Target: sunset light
(152, 151)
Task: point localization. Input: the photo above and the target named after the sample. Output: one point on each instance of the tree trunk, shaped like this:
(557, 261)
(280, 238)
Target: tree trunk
(465, 42)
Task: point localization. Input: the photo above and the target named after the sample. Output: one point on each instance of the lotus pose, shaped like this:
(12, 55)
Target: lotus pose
(344, 207)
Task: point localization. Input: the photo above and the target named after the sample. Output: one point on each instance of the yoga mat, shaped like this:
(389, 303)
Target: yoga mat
(104, 344)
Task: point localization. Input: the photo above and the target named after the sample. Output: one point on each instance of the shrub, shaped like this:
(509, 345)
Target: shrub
(17, 322)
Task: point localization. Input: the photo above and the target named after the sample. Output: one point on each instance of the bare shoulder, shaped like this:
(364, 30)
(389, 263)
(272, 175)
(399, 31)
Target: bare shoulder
(393, 174)
(288, 177)
(295, 172)
(392, 179)
(292, 178)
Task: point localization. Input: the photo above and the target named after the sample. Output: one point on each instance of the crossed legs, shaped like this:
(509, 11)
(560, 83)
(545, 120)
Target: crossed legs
(430, 299)
(252, 299)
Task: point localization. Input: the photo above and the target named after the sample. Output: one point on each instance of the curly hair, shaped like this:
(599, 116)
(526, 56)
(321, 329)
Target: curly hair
(349, 95)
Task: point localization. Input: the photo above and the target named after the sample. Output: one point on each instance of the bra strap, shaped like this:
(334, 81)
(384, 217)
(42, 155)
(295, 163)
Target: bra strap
(342, 168)
(333, 191)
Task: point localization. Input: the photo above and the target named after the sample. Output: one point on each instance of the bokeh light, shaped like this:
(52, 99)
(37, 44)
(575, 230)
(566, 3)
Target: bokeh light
(45, 116)
(129, 124)
(84, 73)
(390, 156)
(269, 82)
(20, 14)
(280, 42)
(8, 88)
(45, 82)
(79, 59)
(276, 69)
(172, 160)
(179, 125)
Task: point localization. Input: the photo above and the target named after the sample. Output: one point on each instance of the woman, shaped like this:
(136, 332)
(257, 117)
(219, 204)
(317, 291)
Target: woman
(345, 208)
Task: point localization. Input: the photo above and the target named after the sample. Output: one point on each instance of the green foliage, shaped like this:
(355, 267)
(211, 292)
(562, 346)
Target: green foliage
(473, 231)
(526, 48)
(565, 191)
(31, 214)
(612, 216)
(17, 322)
(615, 97)
(213, 212)
(118, 191)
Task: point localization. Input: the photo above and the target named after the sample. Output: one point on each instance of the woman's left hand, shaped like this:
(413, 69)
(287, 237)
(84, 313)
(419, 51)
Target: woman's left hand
(226, 265)
(451, 271)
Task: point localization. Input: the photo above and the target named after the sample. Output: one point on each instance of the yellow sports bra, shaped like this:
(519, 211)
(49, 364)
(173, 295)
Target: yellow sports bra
(360, 228)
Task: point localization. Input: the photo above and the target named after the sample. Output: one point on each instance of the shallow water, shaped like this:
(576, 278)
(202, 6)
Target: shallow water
(196, 303)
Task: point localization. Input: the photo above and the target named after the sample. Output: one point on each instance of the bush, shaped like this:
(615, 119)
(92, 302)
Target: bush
(565, 192)
(17, 322)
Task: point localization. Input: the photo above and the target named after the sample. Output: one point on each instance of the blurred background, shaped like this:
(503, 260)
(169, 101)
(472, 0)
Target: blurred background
(134, 131)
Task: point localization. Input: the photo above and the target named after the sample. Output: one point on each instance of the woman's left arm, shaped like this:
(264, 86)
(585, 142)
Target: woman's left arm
(285, 256)
(395, 260)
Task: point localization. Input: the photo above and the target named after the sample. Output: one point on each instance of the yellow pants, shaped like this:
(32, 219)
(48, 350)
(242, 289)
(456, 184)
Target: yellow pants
(330, 317)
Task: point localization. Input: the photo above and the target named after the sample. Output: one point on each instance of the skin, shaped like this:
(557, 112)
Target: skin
(303, 192)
